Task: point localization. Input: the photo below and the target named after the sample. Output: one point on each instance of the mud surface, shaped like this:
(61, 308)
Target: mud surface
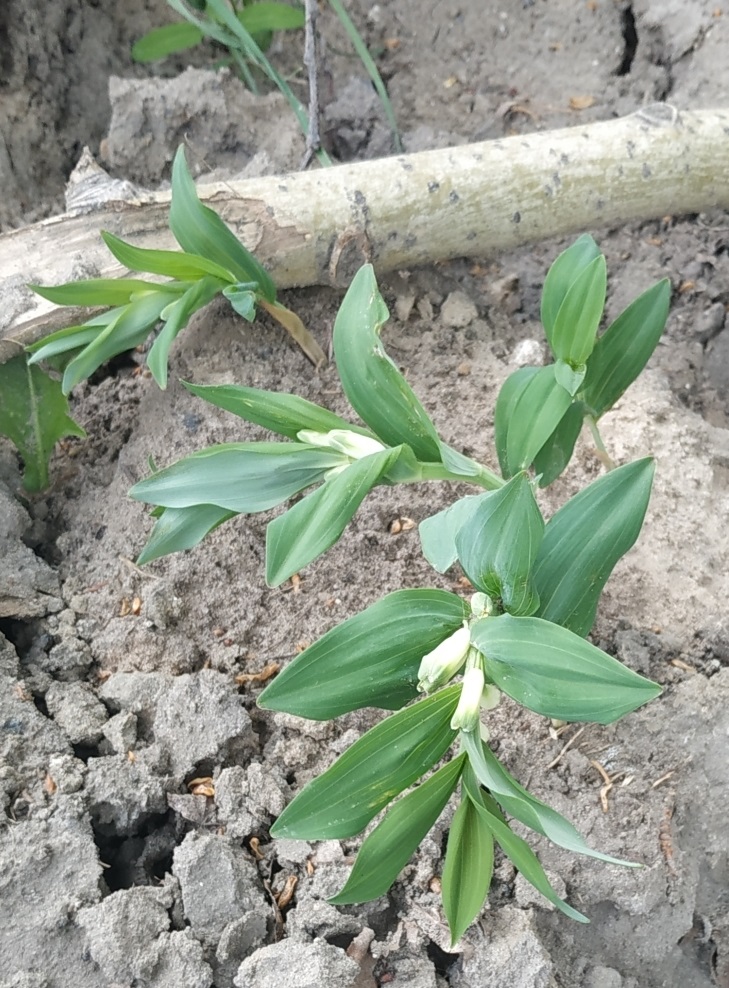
(138, 780)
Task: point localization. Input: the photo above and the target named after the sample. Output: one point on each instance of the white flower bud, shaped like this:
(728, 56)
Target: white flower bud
(466, 717)
(491, 697)
(444, 661)
(352, 444)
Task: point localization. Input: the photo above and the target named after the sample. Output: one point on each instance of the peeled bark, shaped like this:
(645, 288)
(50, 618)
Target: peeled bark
(318, 227)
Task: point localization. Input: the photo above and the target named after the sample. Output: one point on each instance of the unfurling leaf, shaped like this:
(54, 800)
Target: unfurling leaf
(499, 542)
(530, 406)
(362, 781)
(34, 415)
(389, 847)
(572, 337)
(562, 275)
(372, 659)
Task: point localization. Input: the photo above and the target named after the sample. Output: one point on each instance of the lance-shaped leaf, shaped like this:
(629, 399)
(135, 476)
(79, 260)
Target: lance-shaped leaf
(131, 328)
(282, 413)
(241, 477)
(199, 230)
(312, 526)
(100, 291)
(573, 334)
(34, 415)
(438, 533)
(182, 528)
(170, 263)
(562, 275)
(529, 408)
(265, 16)
(468, 868)
(176, 316)
(499, 542)
(516, 849)
(369, 660)
(556, 453)
(516, 801)
(389, 847)
(381, 764)
(554, 672)
(623, 350)
(373, 384)
(584, 540)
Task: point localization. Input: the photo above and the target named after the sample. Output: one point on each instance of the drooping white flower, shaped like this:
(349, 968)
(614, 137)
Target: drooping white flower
(352, 444)
(466, 716)
(444, 661)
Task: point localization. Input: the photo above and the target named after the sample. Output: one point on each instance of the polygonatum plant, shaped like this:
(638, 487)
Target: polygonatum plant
(438, 661)
(212, 261)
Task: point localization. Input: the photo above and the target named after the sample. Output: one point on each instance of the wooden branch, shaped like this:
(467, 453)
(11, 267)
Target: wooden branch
(318, 227)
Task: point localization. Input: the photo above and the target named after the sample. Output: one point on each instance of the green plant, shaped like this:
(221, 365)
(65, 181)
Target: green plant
(245, 29)
(34, 415)
(212, 261)
(537, 584)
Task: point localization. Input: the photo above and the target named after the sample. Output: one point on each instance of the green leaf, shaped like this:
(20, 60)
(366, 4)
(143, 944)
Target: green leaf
(623, 350)
(176, 316)
(584, 540)
(242, 300)
(468, 868)
(498, 544)
(381, 764)
(264, 15)
(438, 533)
(282, 413)
(570, 376)
(373, 384)
(556, 453)
(554, 672)
(520, 804)
(96, 291)
(296, 538)
(529, 408)
(199, 230)
(130, 329)
(34, 416)
(389, 847)
(572, 338)
(516, 849)
(241, 477)
(369, 660)
(182, 528)
(562, 275)
(164, 41)
(171, 263)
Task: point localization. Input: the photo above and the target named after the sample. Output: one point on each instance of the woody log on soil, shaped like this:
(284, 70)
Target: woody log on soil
(318, 227)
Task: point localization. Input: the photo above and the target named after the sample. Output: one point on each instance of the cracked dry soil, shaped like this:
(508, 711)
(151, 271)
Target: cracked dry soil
(138, 780)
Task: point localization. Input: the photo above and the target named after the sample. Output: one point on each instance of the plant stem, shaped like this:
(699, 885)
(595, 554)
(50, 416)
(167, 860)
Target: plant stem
(602, 453)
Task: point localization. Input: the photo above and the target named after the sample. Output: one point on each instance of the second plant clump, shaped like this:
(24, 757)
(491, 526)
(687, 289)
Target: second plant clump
(536, 585)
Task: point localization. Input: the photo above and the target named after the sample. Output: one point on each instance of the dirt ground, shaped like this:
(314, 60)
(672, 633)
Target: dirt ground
(118, 684)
